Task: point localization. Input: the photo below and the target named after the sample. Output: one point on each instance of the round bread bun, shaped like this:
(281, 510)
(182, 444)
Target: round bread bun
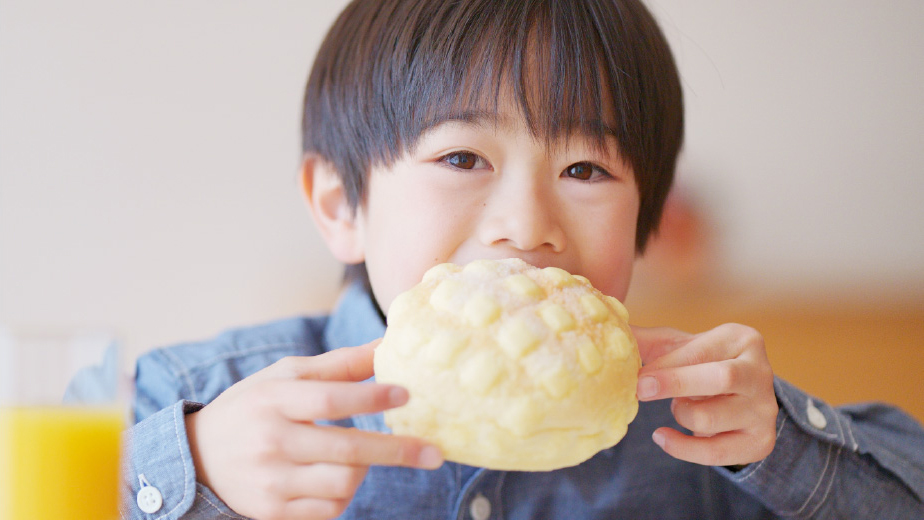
(509, 366)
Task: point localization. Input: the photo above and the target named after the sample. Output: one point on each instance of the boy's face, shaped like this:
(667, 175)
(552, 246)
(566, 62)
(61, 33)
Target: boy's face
(475, 189)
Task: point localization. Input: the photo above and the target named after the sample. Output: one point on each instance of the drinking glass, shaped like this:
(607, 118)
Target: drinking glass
(63, 405)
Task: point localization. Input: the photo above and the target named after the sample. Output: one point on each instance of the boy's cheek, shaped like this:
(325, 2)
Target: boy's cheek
(388, 282)
(612, 275)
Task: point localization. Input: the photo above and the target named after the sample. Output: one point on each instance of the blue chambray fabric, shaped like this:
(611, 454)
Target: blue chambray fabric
(866, 462)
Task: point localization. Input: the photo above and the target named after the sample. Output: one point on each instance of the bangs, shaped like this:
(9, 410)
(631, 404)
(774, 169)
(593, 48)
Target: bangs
(546, 58)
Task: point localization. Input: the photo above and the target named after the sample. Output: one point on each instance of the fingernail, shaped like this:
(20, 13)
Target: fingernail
(430, 457)
(647, 387)
(397, 396)
(658, 438)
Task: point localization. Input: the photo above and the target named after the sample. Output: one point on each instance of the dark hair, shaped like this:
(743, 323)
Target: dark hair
(390, 69)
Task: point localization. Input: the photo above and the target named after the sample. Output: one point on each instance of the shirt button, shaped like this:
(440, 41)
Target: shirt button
(150, 499)
(480, 508)
(815, 417)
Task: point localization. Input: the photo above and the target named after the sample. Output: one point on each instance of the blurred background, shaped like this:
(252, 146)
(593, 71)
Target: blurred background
(149, 156)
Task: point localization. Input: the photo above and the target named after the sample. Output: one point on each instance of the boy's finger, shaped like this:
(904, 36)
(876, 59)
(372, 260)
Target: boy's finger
(707, 347)
(724, 449)
(342, 364)
(324, 480)
(706, 379)
(352, 447)
(305, 401)
(723, 413)
(654, 342)
(310, 507)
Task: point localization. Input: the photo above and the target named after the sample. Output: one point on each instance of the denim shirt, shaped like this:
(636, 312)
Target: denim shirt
(864, 461)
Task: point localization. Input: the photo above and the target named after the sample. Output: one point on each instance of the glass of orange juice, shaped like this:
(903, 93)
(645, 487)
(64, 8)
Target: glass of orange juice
(63, 405)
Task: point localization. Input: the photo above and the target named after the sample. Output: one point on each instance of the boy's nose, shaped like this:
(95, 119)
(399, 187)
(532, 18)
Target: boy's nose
(522, 217)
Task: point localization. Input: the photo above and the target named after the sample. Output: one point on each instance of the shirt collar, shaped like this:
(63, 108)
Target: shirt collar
(355, 320)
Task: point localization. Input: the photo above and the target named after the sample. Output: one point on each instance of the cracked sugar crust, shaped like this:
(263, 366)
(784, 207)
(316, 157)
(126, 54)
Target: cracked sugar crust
(510, 366)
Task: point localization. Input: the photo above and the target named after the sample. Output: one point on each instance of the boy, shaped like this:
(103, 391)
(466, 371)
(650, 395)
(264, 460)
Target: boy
(449, 131)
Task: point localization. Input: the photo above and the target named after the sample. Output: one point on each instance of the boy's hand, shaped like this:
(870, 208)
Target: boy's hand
(722, 389)
(257, 448)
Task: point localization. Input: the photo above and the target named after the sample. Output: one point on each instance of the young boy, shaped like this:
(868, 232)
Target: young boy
(450, 131)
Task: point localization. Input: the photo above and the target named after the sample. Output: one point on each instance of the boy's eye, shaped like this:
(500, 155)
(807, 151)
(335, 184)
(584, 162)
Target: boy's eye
(463, 160)
(585, 171)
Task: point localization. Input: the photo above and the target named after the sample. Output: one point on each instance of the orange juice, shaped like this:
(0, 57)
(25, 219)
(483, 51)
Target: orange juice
(59, 462)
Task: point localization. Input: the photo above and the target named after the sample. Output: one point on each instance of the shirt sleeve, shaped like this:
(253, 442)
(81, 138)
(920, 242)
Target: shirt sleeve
(159, 478)
(863, 461)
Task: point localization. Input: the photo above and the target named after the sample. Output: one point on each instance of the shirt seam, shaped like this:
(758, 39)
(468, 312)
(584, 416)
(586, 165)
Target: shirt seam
(179, 444)
(893, 459)
(497, 493)
(837, 457)
(465, 490)
(854, 444)
(898, 461)
(244, 352)
(209, 362)
(824, 472)
(761, 463)
(183, 373)
(216, 507)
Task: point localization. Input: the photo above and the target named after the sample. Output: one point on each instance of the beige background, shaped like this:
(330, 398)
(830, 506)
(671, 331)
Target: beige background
(149, 150)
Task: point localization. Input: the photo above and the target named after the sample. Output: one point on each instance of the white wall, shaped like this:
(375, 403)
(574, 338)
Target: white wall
(806, 129)
(148, 154)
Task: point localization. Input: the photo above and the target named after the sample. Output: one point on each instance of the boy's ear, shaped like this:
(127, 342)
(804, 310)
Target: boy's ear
(340, 227)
